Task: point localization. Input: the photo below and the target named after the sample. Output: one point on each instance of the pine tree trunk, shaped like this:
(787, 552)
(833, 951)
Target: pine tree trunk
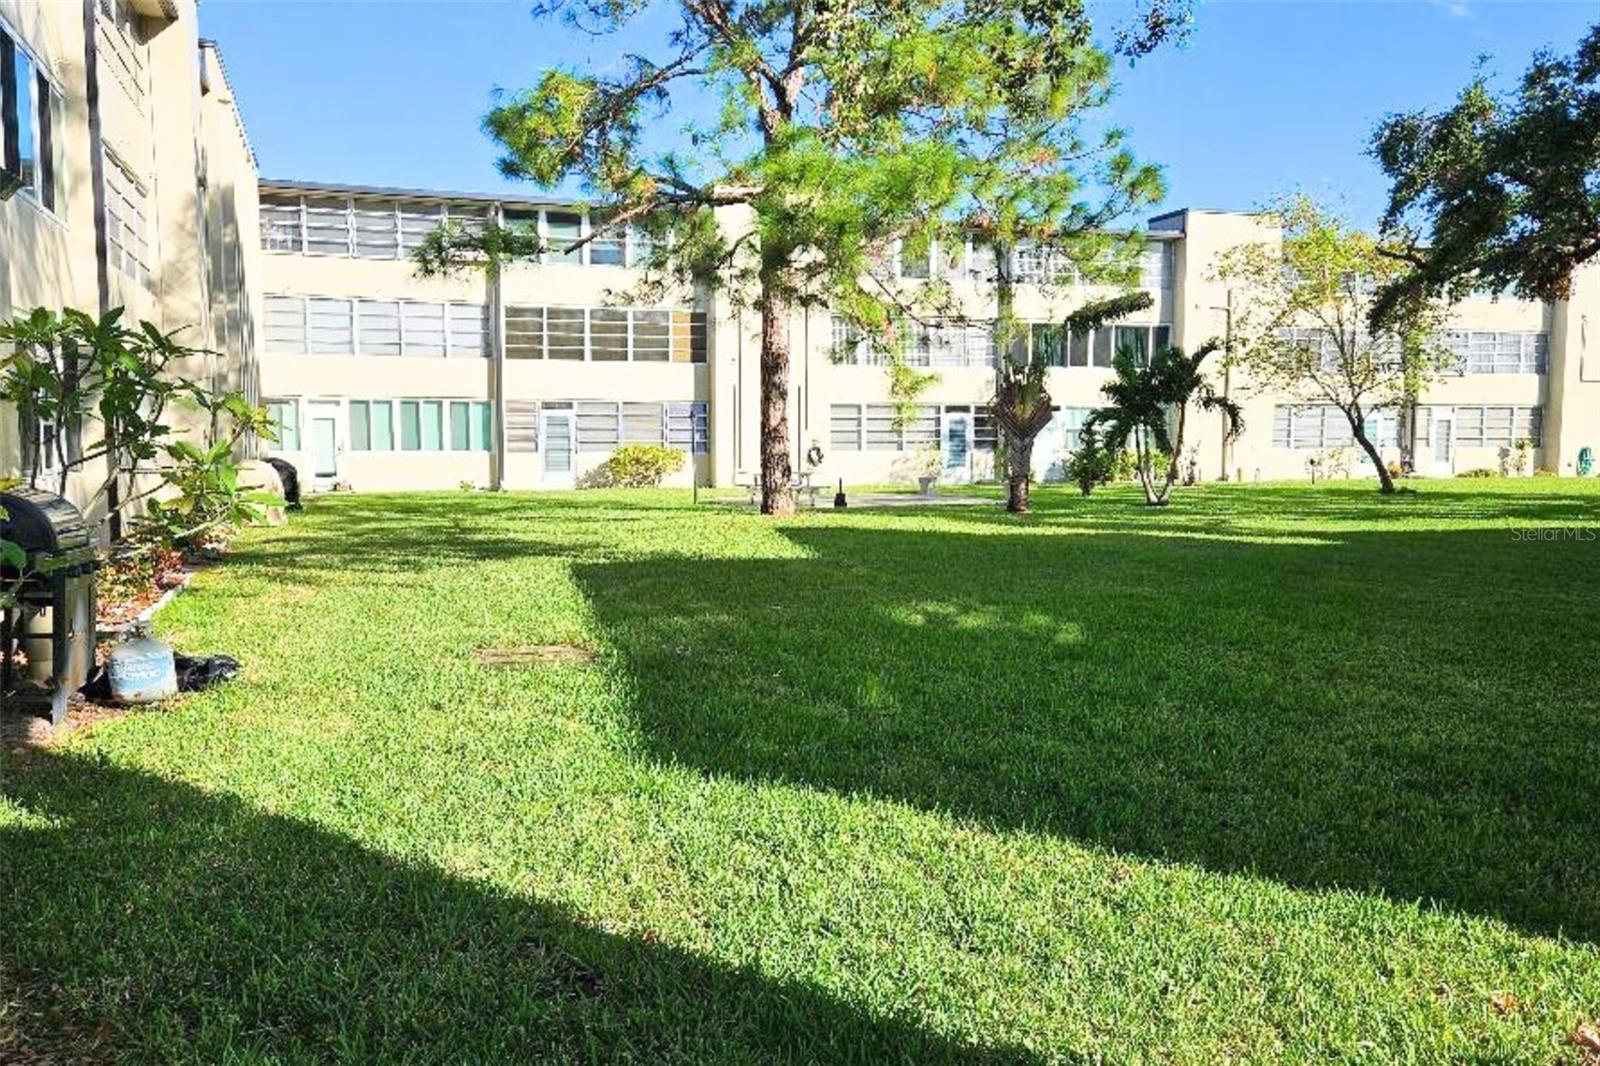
(777, 493)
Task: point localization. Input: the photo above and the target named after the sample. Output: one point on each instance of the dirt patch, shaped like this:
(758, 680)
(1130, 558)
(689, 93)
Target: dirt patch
(535, 655)
(19, 730)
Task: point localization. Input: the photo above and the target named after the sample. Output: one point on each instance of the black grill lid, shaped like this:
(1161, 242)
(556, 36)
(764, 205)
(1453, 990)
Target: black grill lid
(39, 521)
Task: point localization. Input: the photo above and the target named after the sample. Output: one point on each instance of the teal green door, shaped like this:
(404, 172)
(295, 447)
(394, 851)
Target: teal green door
(325, 446)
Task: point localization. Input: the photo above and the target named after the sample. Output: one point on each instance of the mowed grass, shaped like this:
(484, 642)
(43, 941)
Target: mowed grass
(1278, 774)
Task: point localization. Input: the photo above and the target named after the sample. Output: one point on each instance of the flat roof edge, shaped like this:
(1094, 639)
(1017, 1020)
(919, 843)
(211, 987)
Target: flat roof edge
(334, 188)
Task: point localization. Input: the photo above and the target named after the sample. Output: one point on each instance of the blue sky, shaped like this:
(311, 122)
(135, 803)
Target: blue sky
(1265, 97)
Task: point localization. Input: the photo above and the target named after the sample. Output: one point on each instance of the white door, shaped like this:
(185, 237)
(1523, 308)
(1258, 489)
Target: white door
(1048, 446)
(327, 440)
(557, 434)
(1444, 445)
(958, 448)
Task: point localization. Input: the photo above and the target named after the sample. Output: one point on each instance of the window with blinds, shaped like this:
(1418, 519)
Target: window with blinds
(604, 425)
(605, 334)
(327, 227)
(1325, 426)
(522, 425)
(119, 40)
(280, 225)
(934, 342)
(882, 434)
(1483, 352)
(985, 431)
(1158, 265)
(854, 427)
(1497, 426)
(563, 229)
(608, 335)
(322, 325)
(524, 333)
(378, 324)
(416, 221)
(1041, 264)
(920, 426)
(688, 427)
(375, 227)
(599, 426)
(372, 227)
(844, 427)
(127, 224)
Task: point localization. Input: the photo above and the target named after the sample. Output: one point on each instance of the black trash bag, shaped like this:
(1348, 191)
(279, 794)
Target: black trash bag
(197, 672)
(289, 477)
(98, 687)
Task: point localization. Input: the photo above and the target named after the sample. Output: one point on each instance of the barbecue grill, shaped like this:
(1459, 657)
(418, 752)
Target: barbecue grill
(54, 621)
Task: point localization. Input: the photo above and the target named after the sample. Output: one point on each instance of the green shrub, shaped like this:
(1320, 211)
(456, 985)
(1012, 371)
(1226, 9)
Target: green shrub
(1481, 471)
(1124, 466)
(638, 466)
(1091, 464)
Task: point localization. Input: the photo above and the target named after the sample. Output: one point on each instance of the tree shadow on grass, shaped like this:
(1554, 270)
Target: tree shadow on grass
(1408, 713)
(145, 919)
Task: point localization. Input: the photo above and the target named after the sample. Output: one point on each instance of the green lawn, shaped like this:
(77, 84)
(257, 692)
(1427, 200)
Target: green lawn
(1279, 774)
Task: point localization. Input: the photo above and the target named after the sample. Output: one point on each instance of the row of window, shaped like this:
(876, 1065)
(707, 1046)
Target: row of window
(1487, 426)
(1473, 351)
(606, 334)
(467, 425)
(933, 342)
(1322, 426)
(338, 326)
(1032, 263)
(393, 229)
(1053, 345)
(603, 425)
(1325, 426)
(1482, 352)
(876, 427)
(326, 325)
(420, 425)
(948, 342)
(373, 229)
(32, 124)
(872, 427)
(399, 425)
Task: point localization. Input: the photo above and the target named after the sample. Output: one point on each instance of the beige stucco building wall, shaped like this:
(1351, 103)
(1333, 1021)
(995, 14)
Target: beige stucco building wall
(1189, 307)
(157, 210)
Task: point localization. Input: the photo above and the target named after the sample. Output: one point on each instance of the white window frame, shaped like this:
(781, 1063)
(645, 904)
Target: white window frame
(299, 420)
(133, 182)
(58, 161)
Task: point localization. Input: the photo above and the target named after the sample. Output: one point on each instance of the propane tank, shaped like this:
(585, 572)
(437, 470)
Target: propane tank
(141, 669)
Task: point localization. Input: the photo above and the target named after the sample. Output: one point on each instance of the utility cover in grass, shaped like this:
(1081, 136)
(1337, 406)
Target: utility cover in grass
(535, 655)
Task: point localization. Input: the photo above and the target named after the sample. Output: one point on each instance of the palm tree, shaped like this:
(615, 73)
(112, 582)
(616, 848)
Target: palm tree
(1148, 407)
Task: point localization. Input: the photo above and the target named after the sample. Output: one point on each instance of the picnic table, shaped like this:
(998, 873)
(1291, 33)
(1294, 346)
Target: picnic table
(751, 482)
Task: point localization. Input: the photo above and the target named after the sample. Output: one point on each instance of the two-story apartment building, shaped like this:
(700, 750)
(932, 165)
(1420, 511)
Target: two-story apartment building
(532, 377)
(136, 187)
(132, 184)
